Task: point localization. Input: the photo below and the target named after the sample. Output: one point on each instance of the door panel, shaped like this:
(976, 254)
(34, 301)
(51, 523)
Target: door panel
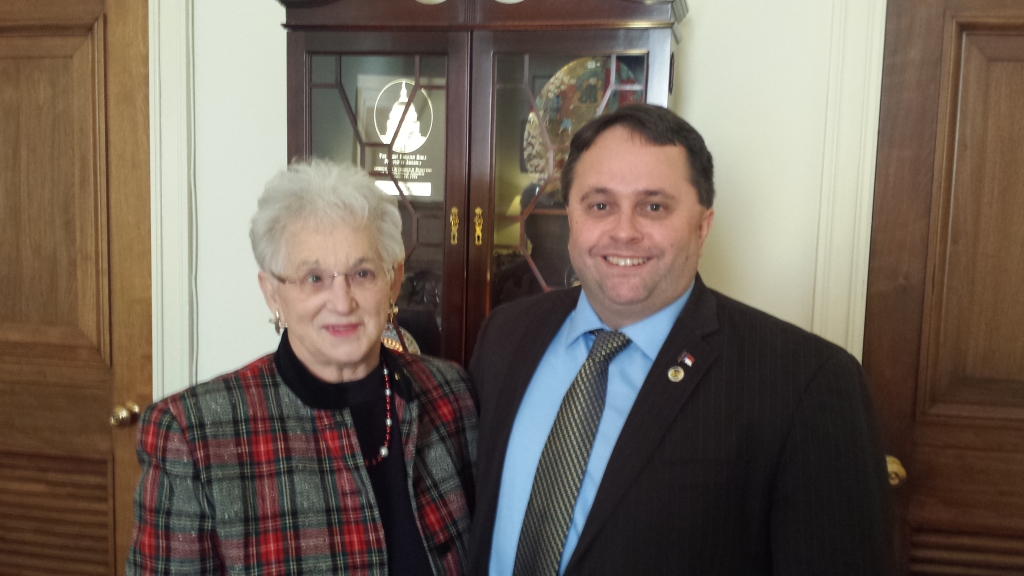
(56, 518)
(74, 292)
(944, 337)
(53, 218)
(975, 362)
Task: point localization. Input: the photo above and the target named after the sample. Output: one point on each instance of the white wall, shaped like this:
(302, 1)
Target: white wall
(240, 141)
(764, 82)
(752, 77)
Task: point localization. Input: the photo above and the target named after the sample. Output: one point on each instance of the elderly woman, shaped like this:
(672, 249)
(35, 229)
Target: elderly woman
(333, 455)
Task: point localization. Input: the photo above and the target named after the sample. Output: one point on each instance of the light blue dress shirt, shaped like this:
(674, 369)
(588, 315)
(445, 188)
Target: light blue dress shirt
(563, 359)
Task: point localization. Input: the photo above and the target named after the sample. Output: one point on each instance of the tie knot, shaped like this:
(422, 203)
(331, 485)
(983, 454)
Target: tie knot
(607, 344)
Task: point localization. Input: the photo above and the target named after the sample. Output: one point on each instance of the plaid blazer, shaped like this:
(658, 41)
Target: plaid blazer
(240, 477)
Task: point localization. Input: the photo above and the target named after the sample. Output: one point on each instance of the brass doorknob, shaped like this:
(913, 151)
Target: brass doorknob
(897, 475)
(125, 415)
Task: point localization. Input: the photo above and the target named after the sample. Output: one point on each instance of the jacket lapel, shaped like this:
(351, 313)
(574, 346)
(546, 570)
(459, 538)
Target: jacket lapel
(527, 354)
(656, 407)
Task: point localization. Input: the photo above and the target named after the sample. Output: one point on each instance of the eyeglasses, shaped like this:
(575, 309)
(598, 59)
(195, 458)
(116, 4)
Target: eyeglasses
(318, 280)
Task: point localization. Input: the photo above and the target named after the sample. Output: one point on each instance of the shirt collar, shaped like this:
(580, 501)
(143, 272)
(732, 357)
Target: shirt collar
(648, 334)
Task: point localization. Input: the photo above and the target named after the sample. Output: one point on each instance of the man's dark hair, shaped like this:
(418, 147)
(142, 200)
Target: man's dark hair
(657, 126)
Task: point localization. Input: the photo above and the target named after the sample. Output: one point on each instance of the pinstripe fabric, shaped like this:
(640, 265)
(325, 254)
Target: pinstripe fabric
(765, 459)
(240, 477)
(564, 460)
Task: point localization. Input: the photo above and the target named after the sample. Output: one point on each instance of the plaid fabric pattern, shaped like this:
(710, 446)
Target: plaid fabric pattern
(240, 477)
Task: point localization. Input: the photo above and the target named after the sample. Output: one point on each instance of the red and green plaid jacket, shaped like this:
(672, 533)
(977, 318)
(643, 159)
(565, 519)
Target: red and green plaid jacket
(240, 477)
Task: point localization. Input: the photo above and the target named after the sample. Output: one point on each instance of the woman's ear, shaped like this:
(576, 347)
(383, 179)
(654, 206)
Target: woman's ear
(268, 285)
(396, 280)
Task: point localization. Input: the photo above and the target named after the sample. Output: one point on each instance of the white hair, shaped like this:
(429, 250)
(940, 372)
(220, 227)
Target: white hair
(323, 194)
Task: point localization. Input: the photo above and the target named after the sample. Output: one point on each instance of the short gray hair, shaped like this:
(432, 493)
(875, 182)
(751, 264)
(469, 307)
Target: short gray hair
(323, 194)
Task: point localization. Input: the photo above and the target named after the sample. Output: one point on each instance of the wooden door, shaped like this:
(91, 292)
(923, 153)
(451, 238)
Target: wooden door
(74, 279)
(944, 334)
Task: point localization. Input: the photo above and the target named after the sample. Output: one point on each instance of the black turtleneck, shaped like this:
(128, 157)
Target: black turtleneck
(365, 400)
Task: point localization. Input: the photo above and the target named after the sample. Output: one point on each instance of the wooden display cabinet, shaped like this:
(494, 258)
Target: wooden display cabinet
(464, 110)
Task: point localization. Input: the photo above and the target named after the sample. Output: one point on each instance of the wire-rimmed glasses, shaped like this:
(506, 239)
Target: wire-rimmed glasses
(315, 280)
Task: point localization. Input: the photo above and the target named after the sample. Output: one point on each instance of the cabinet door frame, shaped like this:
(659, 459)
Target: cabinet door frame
(454, 45)
(579, 14)
(381, 15)
(480, 14)
(655, 42)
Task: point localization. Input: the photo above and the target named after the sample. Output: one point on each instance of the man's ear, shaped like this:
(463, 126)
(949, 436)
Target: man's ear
(269, 286)
(705, 227)
(396, 280)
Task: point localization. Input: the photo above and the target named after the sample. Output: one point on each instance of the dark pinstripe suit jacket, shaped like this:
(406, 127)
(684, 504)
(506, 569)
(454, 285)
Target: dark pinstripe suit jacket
(764, 459)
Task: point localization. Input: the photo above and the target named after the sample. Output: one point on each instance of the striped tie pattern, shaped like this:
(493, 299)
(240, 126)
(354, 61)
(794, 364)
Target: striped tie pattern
(564, 460)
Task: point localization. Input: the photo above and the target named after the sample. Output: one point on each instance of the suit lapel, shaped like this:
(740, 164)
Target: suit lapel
(524, 357)
(656, 408)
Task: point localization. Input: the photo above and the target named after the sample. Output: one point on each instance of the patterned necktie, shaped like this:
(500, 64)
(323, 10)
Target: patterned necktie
(564, 460)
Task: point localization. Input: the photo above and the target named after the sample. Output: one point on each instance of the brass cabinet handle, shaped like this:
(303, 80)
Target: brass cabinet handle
(455, 226)
(897, 475)
(478, 220)
(125, 415)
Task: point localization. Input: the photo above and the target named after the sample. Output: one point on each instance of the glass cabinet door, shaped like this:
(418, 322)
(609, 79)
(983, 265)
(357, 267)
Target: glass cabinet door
(538, 98)
(388, 111)
(477, 182)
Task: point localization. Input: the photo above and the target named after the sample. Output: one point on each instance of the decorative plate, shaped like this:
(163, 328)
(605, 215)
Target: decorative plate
(572, 97)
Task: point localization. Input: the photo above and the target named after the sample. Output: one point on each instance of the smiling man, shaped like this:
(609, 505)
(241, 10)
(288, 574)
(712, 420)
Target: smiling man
(645, 424)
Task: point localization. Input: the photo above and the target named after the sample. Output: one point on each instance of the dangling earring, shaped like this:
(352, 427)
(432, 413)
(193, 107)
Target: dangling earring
(402, 345)
(278, 323)
(392, 310)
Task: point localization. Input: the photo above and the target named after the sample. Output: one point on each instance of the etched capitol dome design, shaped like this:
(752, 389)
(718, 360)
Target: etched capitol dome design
(409, 137)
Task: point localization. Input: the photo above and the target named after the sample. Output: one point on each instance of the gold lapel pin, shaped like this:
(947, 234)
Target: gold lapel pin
(676, 373)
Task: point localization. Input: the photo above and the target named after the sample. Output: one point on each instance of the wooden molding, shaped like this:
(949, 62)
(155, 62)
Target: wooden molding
(848, 172)
(305, 3)
(172, 163)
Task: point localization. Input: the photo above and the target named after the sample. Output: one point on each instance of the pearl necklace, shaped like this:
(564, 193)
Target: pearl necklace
(383, 452)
